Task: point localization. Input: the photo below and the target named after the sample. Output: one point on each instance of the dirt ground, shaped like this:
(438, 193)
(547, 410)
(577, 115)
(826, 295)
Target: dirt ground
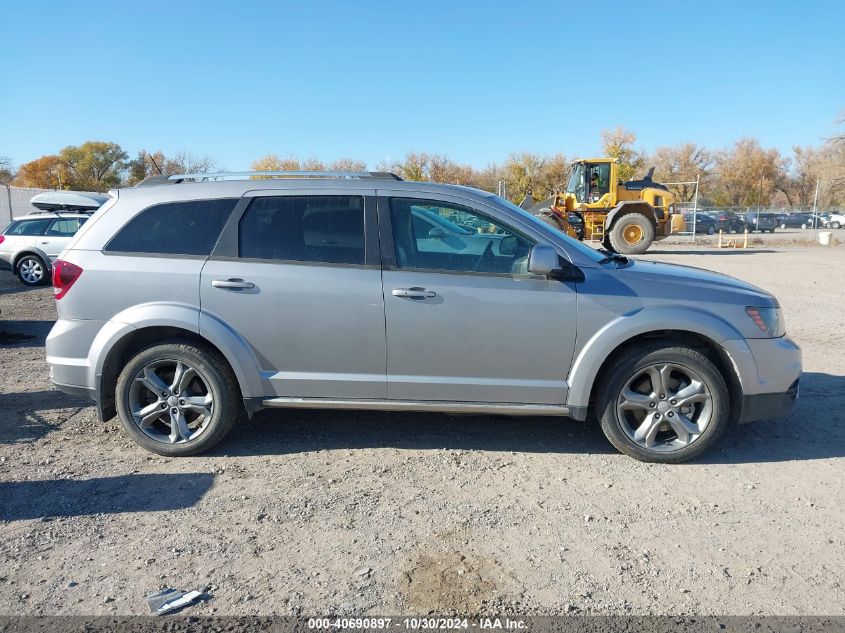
(313, 513)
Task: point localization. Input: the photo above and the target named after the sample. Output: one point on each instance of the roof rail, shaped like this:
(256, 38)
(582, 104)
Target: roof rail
(246, 175)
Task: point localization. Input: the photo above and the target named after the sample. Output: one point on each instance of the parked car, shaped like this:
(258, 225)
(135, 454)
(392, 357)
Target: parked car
(31, 242)
(183, 305)
(761, 221)
(835, 221)
(728, 221)
(703, 223)
(800, 220)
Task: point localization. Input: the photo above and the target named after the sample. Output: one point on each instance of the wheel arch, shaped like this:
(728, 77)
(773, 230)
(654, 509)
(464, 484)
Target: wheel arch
(631, 206)
(601, 352)
(31, 250)
(119, 340)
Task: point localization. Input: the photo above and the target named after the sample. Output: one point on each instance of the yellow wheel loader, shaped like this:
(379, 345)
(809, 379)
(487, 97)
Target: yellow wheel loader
(627, 217)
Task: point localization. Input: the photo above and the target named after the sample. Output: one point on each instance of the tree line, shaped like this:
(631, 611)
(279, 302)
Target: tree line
(743, 175)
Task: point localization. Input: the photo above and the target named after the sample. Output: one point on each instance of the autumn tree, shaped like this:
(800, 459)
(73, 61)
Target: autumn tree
(681, 163)
(47, 172)
(94, 166)
(147, 164)
(274, 162)
(347, 164)
(747, 174)
(619, 144)
(7, 171)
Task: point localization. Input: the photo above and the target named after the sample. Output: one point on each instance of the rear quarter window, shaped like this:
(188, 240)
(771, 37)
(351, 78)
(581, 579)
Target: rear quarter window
(174, 228)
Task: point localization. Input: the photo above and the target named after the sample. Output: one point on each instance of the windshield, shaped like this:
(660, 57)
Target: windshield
(578, 182)
(582, 248)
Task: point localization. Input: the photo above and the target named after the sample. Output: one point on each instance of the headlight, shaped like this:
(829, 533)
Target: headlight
(769, 320)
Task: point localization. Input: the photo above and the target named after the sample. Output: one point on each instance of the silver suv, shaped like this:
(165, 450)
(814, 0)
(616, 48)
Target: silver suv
(183, 305)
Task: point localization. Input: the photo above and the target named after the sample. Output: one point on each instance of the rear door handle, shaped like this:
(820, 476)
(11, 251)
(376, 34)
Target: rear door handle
(414, 293)
(237, 284)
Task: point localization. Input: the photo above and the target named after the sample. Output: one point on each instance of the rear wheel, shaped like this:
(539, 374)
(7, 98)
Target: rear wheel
(631, 234)
(32, 270)
(177, 398)
(835, 225)
(661, 403)
(711, 230)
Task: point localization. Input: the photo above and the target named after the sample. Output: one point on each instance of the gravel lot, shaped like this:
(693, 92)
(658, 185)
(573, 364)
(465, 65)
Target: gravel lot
(309, 513)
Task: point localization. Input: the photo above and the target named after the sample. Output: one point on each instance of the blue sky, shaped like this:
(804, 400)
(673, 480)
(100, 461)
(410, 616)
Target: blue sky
(373, 80)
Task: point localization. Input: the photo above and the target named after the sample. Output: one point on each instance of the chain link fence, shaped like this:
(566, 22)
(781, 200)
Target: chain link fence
(14, 201)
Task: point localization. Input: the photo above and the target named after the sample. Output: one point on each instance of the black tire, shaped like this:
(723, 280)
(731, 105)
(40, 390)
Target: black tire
(640, 225)
(783, 225)
(803, 226)
(216, 374)
(27, 266)
(835, 225)
(635, 360)
(711, 230)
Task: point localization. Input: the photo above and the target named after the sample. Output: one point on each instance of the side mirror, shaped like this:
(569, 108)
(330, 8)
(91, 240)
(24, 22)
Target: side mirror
(437, 233)
(544, 260)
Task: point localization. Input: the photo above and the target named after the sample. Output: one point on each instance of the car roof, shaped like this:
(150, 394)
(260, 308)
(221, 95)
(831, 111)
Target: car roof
(236, 188)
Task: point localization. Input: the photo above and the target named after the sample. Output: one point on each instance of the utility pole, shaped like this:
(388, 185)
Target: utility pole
(815, 201)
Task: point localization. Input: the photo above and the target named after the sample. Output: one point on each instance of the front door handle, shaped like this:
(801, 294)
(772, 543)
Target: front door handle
(237, 284)
(414, 293)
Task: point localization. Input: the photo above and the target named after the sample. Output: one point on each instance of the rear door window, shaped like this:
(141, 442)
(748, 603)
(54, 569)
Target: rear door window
(174, 228)
(65, 227)
(28, 227)
(321, 229)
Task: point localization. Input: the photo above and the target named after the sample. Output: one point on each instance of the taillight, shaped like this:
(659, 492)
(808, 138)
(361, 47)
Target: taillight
(2, 238)
(65, 275)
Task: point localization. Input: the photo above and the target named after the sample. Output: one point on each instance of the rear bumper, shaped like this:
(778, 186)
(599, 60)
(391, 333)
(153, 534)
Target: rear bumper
(76, 390)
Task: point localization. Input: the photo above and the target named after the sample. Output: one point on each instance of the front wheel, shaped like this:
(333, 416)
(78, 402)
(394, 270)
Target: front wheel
(783, 225)
(177, 398)
(661, 403)
(32, 270)
(631, 234)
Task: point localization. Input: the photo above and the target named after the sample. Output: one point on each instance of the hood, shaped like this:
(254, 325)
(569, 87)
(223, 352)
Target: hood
(697, 282)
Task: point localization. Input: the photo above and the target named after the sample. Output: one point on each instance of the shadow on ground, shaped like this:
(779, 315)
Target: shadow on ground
(102, 495)
(815, 430)
(21, 418)
(24, 333)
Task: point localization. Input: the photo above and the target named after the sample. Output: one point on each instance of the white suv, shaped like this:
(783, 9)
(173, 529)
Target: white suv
(835, 221)
(30, 244)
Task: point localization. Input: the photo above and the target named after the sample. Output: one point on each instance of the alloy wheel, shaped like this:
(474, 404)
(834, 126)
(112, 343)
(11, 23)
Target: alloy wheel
(170, 401)
(665, 407)
(31, 270)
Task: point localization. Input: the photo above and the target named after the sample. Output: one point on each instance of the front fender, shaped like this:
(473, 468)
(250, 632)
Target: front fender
(607, 339)
(185, 317)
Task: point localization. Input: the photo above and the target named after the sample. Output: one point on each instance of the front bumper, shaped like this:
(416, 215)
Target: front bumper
(763, 406)
(769, 370)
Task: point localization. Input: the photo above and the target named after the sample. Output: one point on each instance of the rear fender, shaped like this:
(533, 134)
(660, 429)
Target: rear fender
(184, 317)
(629, 206)
(31, 250)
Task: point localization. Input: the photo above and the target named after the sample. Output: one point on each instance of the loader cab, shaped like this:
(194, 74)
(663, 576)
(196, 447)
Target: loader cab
(591, 181)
